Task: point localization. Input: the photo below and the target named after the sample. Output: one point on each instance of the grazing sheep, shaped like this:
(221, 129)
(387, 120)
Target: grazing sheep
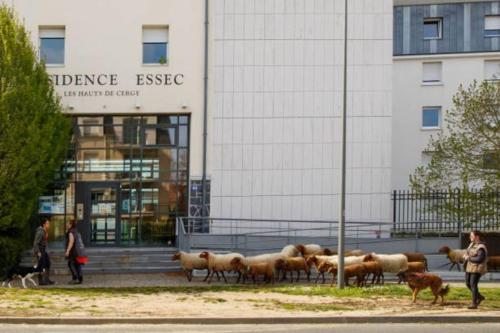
(191, 261)
(291, 265)
(317, 260)
(376, 269)
(456, 256)
(391, 263)
(493, 263)
(354, 270)
(414, 267)
(417, 257)
(219, 262)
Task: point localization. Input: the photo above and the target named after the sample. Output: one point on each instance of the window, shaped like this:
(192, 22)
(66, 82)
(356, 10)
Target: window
(431, 72)
(491, 26)
(492, 70)
(433, 28)
(154, 45)
(431, 117)
(52, 45)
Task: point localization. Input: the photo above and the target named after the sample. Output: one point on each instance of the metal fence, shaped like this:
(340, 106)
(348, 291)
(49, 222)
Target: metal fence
(448, 212)
(253, 236)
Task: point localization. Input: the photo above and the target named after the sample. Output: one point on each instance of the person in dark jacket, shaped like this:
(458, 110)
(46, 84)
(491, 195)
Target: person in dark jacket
(71, 253)
(40, 252)
(475, 266)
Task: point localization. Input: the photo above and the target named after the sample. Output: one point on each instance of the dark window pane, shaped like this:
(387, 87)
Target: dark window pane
(183, 159)
(130, 130)
(154, 53)
(166, 136)
(167, 119)
(431, 29)
(52, 50)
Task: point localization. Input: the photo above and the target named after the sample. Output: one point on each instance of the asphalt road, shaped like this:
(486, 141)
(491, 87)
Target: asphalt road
(322, 328)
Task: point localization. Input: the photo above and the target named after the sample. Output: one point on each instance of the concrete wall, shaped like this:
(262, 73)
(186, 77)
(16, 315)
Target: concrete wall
(278, 99)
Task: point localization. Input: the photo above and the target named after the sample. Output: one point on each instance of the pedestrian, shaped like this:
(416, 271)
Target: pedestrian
(475, 266)
(40, 251)
(72, 239)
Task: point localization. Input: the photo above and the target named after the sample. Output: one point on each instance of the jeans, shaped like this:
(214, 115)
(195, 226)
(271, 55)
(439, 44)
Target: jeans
(472, 280)
(76, 270)
(44, 261)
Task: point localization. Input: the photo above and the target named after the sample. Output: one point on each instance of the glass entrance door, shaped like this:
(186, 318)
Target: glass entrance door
(103, 215)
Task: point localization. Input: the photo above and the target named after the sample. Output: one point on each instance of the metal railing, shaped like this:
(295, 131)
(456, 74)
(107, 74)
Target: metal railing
(445, 212)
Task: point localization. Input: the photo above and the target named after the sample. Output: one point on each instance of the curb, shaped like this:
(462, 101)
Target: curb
(254, 320)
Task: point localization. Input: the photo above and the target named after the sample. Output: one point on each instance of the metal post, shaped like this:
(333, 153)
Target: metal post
(340, 275)
(204, 211)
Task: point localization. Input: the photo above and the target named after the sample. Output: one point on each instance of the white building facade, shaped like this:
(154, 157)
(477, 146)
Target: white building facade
(438, 46)
(131, 75)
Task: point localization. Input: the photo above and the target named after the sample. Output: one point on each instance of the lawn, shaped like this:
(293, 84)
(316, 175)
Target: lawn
(233, 300)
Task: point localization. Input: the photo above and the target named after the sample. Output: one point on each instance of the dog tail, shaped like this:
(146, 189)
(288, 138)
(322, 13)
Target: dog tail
(444, 291)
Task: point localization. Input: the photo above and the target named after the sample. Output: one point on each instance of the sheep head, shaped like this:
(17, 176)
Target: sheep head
(176, 256)
(204, 255)
(280, 264)
(327, 252)
(369, 257)
(311, 259)
(444, 249)
(301, 248)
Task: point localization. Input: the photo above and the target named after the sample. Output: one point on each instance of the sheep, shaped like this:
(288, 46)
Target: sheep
(456, 256)
(291, 265)
(417, 257)
(219, 262)
(354, 270)
(290, 251)
(265, 269)
(310, 249)
(190, 261)
(317, 260)
(391, 263)
(375, 268)
(493, 263)
(348, 261)
(414, 267)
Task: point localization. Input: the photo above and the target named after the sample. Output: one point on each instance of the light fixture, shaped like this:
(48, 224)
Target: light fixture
(71, 107)
(137, 105)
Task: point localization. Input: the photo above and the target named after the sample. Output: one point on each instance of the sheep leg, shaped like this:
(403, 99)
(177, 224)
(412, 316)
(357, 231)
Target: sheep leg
(211, 276)
(225, 280)
(323, 274)
(298, 276)
(317, 277)
(458, 267)
(187, 275)
(451, 267)
(218, 277)
(206, 277)
(253, 278)
(239, 277)
(308, 273)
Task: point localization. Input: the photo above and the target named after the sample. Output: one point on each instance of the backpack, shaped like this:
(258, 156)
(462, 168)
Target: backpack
(81, 254)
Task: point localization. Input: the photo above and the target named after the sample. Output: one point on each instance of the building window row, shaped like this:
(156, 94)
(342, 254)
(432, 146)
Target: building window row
(433, 27)
(154, 45)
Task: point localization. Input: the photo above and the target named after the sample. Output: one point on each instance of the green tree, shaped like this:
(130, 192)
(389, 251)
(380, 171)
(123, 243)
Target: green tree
(34, 134)
(466, 157)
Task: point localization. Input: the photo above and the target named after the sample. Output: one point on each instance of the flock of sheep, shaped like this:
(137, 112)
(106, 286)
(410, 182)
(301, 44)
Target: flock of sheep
(274, 267)
(299, 259)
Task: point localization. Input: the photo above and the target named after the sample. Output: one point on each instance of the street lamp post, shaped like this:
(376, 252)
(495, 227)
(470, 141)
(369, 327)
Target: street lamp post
(341, 236)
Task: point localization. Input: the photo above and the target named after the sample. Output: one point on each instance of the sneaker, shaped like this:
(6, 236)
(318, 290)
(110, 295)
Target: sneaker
(481, 298)
(472, 306)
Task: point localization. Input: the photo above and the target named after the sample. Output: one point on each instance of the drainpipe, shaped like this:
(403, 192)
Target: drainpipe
(205, 117)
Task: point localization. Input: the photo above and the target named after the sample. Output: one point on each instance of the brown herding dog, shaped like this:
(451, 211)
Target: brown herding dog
(420, 281)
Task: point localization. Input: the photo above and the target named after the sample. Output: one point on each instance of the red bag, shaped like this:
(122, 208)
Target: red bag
(82, 260)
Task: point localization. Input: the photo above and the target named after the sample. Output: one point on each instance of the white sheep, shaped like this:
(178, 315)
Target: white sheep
(456, 256)
(290, 251)
(391, 263)
(219, 262)
(309, 249)
(191, 261)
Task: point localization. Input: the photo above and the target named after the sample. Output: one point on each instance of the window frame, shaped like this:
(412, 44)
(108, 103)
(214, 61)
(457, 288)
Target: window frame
(439, 21)
(41, 30)
(486, 35)
(433, 82)
(426, 108)
(166, 43)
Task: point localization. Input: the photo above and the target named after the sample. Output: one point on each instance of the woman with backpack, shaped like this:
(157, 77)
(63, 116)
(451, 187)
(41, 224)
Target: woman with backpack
(73, 245)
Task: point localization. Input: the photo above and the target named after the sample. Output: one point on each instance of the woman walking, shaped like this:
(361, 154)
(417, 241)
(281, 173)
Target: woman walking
(71, 253)
(475, 261)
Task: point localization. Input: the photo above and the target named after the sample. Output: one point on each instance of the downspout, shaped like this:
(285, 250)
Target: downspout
(205, 118)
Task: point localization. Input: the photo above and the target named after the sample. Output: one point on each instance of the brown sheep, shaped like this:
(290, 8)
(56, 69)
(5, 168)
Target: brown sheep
(494, 263)
(261, 269)
(295, 264)
(417, 257)
(355, 270)
(455, 256)
(414, 267)
(316, 261)
(375, 268)
(238, 266)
